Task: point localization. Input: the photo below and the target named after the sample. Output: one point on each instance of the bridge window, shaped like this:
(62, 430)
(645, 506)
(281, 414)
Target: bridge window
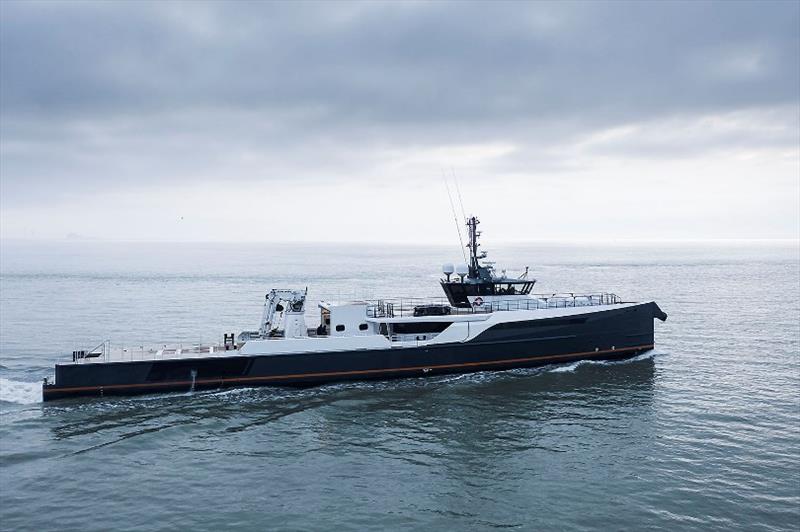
(363, 327)
(486, 290)
(339, 328)
(527, 288)
(513, 289)
(506, 290)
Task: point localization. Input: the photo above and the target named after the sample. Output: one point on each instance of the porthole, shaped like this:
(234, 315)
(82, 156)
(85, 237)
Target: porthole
(339, 328)
(363, 327)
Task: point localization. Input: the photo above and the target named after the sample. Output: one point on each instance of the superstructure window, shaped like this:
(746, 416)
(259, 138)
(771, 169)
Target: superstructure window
(527, 288)
(420, 327)
(485, 289)
(363, 327)
(339, 328)
(512, 289)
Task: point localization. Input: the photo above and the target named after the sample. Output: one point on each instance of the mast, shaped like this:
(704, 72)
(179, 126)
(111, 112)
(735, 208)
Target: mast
(474, 257)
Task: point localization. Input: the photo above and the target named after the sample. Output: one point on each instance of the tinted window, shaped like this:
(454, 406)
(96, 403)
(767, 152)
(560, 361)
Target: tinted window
(420, 327)
(339, 328)
(486, 289)
(527, 288)
(363, 327)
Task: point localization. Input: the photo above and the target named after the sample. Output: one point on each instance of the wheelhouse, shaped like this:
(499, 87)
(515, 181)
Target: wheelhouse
(458, 293)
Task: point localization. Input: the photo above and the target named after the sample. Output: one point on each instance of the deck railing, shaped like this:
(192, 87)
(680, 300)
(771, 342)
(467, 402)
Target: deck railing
(395, 308)
(100, 351)
(106, 352)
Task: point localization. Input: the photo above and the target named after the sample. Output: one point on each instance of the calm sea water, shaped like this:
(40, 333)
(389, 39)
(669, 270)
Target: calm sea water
(702, 433)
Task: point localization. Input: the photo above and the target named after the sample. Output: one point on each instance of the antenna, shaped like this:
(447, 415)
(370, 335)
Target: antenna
(455, 216)
(458, 189)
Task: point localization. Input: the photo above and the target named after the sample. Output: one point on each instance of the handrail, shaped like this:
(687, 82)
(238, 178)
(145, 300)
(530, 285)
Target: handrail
(100, 350)
(389, 308)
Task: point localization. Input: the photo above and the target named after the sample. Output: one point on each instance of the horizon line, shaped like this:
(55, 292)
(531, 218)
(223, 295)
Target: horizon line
(328, 243)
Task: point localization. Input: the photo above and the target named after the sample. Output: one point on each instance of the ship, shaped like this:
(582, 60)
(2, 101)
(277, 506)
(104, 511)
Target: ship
(486, 321)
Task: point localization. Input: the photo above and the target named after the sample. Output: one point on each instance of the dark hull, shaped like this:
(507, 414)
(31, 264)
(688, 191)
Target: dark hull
(613, 333)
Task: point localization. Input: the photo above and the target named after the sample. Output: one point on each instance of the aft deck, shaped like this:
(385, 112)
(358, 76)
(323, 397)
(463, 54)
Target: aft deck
(108, 352)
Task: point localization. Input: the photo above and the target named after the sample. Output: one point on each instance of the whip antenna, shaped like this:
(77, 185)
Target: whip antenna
(458, 189)
(455, 216)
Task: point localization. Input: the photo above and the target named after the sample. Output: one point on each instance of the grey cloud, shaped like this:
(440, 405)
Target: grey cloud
(100, 93)
(395, 62)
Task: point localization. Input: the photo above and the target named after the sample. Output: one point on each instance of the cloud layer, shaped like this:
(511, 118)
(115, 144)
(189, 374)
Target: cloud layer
(99, 100)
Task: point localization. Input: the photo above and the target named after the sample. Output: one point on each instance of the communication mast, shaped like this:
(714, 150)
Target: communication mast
(474, 256)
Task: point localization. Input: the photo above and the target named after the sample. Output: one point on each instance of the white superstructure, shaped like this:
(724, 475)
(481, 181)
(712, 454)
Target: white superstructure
(356, 325)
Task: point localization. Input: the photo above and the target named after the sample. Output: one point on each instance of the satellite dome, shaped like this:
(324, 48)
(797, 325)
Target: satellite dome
(462, 269)
(447, 268)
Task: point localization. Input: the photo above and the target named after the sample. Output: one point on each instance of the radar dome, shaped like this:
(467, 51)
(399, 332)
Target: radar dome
(447, 269)
(462, 269)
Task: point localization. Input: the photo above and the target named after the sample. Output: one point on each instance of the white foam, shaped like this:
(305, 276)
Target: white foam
(24, 393)
(569, 368)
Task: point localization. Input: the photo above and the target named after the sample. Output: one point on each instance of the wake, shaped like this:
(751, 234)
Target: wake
(19, 392)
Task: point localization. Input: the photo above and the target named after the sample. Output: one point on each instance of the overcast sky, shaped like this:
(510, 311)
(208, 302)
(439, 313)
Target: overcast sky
(335, 121)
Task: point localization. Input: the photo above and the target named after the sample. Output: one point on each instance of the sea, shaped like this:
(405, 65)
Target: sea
(701, 433)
